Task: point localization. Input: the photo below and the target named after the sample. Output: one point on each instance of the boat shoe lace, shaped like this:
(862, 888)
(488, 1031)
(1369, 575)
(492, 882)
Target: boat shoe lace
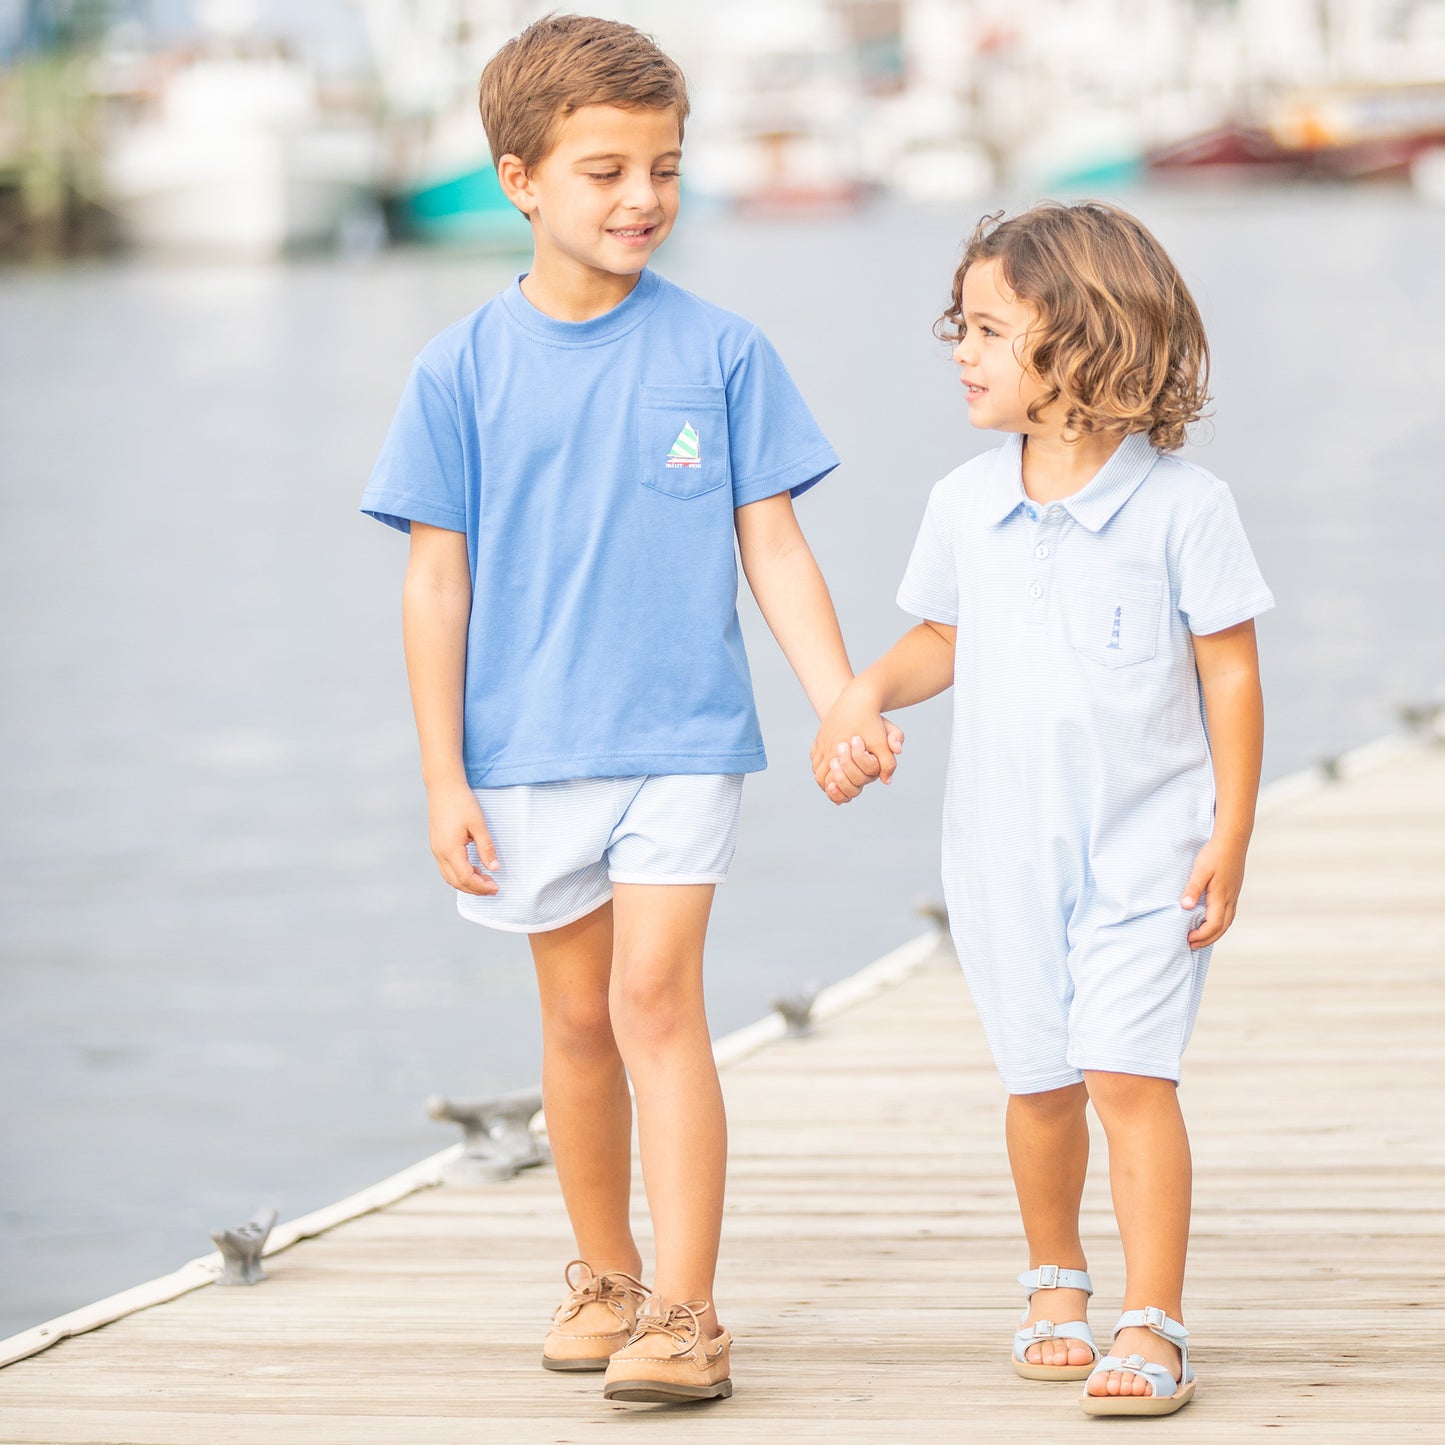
(618, 1291)
(679, 1323)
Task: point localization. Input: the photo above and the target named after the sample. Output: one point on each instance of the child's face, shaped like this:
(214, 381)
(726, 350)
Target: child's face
(993, 353)
(604, 198)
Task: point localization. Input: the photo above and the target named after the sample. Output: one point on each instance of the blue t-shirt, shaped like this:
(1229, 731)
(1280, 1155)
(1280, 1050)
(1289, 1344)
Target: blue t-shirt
(594, 467)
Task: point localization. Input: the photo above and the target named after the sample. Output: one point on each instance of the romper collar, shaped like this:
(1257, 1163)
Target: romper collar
(1092, 507)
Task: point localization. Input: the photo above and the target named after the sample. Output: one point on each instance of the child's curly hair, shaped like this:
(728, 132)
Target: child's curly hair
(1118, 336)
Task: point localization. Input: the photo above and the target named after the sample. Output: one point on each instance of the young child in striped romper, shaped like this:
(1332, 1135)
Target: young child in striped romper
(1091, 598)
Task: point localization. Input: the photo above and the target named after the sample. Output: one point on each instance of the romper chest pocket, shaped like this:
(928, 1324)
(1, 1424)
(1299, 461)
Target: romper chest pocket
(683, 440)
(1115, 624)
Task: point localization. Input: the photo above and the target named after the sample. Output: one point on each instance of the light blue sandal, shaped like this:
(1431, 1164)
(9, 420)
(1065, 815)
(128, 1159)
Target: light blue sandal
(1051, 1276)
(1168, 1394)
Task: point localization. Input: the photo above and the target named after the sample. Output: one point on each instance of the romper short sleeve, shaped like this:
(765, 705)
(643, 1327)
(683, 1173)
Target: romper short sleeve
(1220, 584)
(420, 475)
(774, 443)
(930, 585)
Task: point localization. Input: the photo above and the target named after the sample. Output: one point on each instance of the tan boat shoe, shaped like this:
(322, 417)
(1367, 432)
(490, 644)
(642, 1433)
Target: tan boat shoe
(597, 1317)
(670, 1358)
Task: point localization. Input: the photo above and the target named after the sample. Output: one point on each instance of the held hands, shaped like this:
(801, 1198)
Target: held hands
(854, 746)
(1216, 879)
(455, 819)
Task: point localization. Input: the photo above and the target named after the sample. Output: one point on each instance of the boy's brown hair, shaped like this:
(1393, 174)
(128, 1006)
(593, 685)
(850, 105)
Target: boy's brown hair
(563, 62)
(1118, 336)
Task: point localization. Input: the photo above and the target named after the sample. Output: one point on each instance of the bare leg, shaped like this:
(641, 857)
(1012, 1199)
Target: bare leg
(584, 1090)
(1048, 1150)
(1151, 1176)
(661, 1029)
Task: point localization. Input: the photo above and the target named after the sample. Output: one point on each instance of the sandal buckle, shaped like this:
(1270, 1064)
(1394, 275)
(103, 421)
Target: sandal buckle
(1043, 1329)
(1154, 1317)
(1048, 1275)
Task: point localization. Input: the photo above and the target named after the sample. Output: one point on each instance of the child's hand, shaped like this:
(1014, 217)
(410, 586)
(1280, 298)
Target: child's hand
(851, 768)
(455, 819)
(854, 745)
(1217, 877)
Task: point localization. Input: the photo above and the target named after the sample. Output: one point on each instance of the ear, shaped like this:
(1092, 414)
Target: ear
(515, 183)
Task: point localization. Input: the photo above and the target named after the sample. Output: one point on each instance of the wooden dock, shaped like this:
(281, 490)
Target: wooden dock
(871, 1239)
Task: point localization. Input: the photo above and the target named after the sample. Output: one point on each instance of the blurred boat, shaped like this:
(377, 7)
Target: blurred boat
(438, 179)
(1232, 150)
(776, 129)
(443, 188)
(232, 154)
(1360, 132)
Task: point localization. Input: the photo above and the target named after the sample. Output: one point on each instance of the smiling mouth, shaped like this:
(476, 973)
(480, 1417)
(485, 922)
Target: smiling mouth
(631, 233)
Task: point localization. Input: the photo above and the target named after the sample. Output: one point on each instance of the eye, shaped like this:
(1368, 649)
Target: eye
(603, 175)
(668, 173)
(988, 331)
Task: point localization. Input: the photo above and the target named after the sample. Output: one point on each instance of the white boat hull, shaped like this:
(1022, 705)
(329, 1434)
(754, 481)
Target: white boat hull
(246, 195)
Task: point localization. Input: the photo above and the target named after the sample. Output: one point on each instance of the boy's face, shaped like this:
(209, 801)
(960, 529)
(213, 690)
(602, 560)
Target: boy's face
(993, 353)
(605, 197)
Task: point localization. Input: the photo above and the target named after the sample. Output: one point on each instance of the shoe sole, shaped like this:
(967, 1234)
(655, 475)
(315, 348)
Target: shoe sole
(1066, 1373)
(663, 1391)
(1138, 1404)
(576, 1366)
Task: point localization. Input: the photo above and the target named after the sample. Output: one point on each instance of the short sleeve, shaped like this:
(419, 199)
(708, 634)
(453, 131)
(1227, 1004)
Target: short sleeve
(930, 585)
(1220, 584)
(420, 475)
(773, 442)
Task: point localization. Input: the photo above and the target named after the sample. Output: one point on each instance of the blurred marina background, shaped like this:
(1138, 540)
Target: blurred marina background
(229, 973)
(253, 126)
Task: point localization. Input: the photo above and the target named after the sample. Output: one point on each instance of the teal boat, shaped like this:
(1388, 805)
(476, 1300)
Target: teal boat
(468, 209)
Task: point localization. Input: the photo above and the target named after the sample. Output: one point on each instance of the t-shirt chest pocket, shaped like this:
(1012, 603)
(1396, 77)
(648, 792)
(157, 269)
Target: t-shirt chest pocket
(1115, 623)
(683, 440)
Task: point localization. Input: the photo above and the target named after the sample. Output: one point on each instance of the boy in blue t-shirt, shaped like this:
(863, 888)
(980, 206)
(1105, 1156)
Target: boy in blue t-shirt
(573, 462)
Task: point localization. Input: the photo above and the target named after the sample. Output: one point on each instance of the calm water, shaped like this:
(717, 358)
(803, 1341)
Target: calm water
(230, 973)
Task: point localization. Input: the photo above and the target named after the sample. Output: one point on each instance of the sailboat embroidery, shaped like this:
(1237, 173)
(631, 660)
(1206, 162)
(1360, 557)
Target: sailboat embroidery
(685, 451)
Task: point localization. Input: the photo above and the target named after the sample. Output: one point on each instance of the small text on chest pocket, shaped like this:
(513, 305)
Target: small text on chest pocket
(1115, 625)
(683, 439)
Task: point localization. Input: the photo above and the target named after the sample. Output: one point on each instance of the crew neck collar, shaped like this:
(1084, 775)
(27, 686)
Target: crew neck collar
(628, 313)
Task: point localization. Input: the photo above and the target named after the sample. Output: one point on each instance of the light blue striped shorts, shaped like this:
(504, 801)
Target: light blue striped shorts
(561, 846)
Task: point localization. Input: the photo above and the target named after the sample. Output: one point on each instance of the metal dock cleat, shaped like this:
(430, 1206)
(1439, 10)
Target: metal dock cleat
(797, 1011)
(241, 1248)
(498, 1139)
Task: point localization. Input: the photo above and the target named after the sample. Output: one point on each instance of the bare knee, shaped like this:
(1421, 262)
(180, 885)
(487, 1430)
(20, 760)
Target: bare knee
(1052, 1106)
(579, 1026)
(1125, 1096)
(654, 1002)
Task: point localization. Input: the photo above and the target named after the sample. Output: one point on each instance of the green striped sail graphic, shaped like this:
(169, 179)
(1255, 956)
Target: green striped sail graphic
(685, 451)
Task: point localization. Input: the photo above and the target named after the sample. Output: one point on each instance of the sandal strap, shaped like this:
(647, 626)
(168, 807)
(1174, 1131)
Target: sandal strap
(1047, 1330)
(1053, 1276)
(1155, 1320)
(1162, 1383)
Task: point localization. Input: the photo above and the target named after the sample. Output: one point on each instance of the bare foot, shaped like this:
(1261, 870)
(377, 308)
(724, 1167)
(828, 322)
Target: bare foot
(1135, 1341)
(1058, 1305)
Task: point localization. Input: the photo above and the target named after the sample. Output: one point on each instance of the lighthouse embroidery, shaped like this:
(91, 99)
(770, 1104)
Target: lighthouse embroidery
(1114, 635)
(685, 452)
